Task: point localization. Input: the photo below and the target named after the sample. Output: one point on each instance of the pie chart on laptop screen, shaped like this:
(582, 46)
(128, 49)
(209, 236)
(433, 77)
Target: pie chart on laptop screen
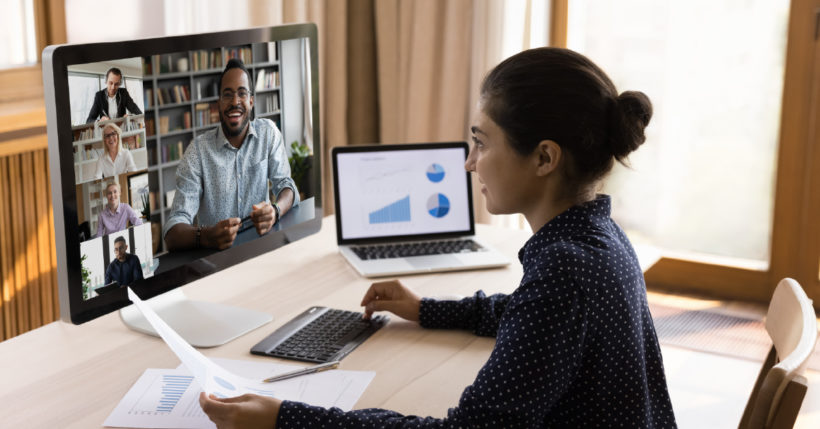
(435, 172)
(438, 205)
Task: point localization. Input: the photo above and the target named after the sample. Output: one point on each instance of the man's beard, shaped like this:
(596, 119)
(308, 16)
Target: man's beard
(226, 128)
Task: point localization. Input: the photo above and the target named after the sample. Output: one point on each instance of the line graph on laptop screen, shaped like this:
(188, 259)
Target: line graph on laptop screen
(402, 192)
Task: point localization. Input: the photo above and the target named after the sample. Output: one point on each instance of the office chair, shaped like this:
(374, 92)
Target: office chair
(780, 386)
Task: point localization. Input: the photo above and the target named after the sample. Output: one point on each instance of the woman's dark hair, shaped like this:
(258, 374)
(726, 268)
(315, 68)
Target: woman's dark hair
(560, 95)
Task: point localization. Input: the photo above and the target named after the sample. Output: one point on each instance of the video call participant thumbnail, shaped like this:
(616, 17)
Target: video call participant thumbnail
(115, 215)
(223, 176)
(116, 159)
(113, 101)
(125, 268)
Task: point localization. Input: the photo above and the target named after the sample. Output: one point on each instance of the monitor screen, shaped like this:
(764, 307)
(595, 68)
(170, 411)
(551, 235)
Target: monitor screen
(143, 143)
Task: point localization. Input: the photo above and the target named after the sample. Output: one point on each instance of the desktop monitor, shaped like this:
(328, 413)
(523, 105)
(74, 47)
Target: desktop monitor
(131, 125)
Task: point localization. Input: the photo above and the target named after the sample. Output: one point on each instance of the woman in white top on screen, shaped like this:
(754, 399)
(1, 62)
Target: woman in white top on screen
(115, 160)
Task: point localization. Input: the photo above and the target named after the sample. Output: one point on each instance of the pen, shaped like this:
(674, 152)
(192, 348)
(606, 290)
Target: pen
(303, 371)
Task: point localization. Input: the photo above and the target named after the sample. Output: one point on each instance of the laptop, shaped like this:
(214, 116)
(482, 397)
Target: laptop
(406, 209)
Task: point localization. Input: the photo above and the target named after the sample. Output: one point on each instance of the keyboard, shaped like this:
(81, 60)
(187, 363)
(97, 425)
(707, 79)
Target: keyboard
(320, 334)
(421, 248)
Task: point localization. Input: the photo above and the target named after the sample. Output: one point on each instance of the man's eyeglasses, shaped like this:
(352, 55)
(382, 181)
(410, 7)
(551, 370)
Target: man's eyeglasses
(228, 96)
(109, 135)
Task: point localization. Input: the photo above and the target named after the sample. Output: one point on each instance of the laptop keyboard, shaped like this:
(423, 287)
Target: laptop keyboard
(421, 248)
(320, 335)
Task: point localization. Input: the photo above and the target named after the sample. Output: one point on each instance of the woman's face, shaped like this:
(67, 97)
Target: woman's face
(506, 178)
(111, 140)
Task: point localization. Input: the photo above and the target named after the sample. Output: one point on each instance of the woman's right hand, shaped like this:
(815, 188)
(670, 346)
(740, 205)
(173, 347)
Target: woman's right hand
(394, 297)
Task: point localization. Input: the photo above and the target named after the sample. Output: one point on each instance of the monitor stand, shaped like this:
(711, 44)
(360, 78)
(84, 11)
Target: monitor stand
(200, 323)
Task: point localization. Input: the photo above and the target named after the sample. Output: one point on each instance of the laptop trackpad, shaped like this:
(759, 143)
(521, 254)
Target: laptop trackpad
(434, 261)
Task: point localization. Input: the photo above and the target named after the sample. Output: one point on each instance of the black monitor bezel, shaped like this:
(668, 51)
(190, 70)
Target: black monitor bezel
(336, 151)
(56, 59)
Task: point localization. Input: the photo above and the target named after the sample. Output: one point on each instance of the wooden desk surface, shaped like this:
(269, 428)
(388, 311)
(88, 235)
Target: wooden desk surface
(68, 376)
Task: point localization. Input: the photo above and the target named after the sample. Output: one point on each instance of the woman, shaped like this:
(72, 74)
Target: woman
(575, 344)
(116, 160)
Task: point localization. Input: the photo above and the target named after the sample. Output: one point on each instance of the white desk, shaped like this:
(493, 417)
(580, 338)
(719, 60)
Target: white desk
(66, 376)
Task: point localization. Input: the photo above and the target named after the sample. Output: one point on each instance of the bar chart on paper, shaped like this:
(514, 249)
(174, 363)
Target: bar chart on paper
(165, 395)
(160, 398)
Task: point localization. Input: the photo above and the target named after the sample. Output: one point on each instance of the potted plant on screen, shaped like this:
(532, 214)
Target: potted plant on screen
(86, 278)
(300, 162)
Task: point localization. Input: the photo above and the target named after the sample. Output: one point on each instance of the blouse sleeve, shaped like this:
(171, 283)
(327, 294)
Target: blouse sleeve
(478, 313)
(535, 359)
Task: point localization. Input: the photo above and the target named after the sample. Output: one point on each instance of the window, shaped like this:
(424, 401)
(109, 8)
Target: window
(82, 88)
(704, 181)
(17, 19)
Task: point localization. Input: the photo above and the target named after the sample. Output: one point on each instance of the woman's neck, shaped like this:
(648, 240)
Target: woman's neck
(113, 155)
(540, 215)
(551, 206)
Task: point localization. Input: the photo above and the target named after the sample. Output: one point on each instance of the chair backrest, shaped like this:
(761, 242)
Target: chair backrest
(780, 387)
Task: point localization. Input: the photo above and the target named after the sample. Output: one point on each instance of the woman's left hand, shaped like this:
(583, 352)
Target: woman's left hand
(246, 411)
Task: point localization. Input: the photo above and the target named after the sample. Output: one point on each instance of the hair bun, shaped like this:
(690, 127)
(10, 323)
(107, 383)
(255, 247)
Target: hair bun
(630, 116)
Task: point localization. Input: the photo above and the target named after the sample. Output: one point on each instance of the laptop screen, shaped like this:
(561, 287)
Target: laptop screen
(402, 191)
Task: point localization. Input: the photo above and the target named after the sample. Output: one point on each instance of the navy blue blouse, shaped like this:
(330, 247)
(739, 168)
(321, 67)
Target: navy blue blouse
(575, 344)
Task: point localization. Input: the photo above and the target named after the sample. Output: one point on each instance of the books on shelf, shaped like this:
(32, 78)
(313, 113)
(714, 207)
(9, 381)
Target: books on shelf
(164, 122)
(87, 153)
(242, 53)
(186, 120)
(147, 66)
(133, 124)
(267, 79)
(205, 89)
(87, 133)
(173, 95)
(149, 98)
(272, 55)
(206, 114)
(172, 152)
(272, 103)
(134, 142)
(206, 60)
(150, 130)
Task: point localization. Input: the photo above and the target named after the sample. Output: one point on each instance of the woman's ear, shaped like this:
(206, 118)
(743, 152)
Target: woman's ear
(547, 157)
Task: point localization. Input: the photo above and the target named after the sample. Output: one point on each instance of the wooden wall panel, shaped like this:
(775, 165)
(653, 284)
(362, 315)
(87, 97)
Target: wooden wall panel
(28, 284)
(6, 259)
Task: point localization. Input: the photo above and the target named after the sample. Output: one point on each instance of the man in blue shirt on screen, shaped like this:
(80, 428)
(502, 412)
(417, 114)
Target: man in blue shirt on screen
(125, 268)
(229, 173)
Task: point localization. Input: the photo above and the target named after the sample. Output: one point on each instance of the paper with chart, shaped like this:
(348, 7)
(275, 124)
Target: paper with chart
(169, 398)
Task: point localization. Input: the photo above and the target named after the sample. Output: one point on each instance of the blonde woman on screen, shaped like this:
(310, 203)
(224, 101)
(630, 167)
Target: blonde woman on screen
(116, 159)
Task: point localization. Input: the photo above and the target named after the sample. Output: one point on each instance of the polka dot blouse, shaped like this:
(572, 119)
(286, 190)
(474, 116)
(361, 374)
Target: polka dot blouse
(575, 344)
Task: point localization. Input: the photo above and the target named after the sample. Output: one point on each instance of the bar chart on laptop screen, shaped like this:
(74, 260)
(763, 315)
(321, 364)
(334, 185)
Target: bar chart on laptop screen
(402, 192)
